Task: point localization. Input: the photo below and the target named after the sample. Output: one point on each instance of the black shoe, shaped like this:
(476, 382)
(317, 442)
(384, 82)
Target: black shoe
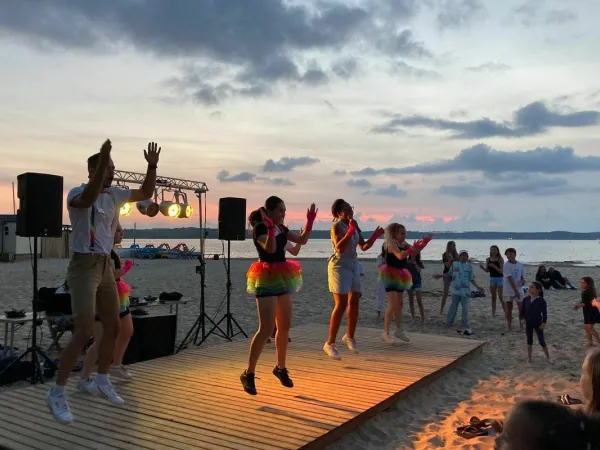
(247, 380)
(283, 376)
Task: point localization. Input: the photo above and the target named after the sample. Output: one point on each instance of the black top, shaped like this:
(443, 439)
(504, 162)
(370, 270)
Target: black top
(535, 310)
(445, 259)
(392, 260)
(260, 229)
(493, 272)
(116, 260)
(586, 298)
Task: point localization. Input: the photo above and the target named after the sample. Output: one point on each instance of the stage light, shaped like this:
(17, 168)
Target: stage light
(170, 209)
(148, 208)
(126, 209)
(186, 211)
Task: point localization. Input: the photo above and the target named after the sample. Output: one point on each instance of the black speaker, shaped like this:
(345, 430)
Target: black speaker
(153, 337)
(232, 219)
(40, 205)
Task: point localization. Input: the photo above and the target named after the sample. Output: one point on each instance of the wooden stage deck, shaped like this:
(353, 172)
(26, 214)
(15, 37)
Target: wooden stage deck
(194, 400)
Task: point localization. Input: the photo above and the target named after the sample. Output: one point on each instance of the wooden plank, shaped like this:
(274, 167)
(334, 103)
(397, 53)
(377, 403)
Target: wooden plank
(194, 400)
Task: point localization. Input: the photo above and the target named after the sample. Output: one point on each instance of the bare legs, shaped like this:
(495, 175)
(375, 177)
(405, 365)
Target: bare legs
(343, 302)
(446, 280)
(84, 329)
(411, 300)
(125, 333)
(91, 357)
(283, 318)
(591, 334)
(267, 310)
(395, 304)
(508, 308)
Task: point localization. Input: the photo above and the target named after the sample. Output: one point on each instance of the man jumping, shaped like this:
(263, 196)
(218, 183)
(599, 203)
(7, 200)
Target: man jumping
(94, 213)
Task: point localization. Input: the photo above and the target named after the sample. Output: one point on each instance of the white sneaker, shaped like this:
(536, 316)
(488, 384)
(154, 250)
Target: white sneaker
(88, 386)
(331, 351)
(399, 333)
(351, 343)
(108, 391)
(120, 372)
(59, 407)
(389, 340)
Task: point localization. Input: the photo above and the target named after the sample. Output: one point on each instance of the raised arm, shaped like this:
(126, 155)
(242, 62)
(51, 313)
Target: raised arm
(92, 190)
(147, 190)
(366, 245)
(392, 247)
(293, 249)
(340, 239)
(265, 234)
(302, 238)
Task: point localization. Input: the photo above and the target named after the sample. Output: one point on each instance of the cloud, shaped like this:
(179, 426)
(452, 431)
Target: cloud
(406, 70)
(339, 172)
(259, 44)
(456, 14)
(529, 120)
(243, 177)
(359, 182)
(527, 12)
(489, 67)
(560, 17)
(389, 191)
(287, 164)
(276, 181)
(483, 158)
(533, 186)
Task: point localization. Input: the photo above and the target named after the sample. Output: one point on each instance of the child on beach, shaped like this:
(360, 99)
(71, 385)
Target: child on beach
(462, 277)
(535, 312)
(514, 279)
(591, 315)
(415, 266)
(380, 286)
(590, 382)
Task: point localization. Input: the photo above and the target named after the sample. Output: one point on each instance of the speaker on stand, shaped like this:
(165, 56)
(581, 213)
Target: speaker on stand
(232, 227)
(39, 215)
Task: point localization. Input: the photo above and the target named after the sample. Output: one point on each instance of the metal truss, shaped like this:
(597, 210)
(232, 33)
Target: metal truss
(122, 176)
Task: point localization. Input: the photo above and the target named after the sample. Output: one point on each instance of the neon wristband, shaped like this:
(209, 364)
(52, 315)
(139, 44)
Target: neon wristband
(271, 232)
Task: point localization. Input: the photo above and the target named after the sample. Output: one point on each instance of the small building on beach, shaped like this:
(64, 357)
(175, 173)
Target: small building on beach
(17, 248)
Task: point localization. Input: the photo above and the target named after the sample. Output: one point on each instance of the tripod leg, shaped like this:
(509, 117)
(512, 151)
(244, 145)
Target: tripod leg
(238, 325)
(186, 339)
(38, 373)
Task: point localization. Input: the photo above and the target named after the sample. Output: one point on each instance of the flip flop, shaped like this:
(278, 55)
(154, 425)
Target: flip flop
(478, 423)
(567, 400)
(470, 432)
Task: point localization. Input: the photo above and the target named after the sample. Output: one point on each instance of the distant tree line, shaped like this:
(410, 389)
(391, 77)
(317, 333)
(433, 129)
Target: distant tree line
(212, 233)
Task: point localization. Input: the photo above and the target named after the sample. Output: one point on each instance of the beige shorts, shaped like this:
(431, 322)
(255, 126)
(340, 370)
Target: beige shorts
(91, 280)
(513, 298)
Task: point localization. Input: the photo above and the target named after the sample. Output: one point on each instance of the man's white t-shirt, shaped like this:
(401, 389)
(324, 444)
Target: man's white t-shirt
(106, 216)
(516, 271)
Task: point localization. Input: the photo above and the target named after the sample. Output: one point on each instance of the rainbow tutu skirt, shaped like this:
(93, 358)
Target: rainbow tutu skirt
(394, 278)
(272, 279)
(123, 289)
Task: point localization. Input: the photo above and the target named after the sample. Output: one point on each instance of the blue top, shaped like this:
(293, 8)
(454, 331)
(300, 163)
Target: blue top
(462, 277)
(535, 310)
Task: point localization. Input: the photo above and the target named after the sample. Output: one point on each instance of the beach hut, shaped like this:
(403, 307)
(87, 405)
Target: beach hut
(17, 248)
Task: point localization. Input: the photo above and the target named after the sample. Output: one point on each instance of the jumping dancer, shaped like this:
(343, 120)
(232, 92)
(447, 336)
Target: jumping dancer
(86, 382)
(272, 280)
(494, 265)
(343, 274)
(94, 213)
(396, 277)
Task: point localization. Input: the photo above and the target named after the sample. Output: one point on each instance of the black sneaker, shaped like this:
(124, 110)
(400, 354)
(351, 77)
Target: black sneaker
(283, 376)
(247, 380)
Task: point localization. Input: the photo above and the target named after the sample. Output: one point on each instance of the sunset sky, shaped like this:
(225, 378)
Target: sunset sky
(440, 114)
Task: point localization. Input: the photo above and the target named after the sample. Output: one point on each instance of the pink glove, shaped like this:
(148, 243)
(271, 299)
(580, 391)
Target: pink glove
(311, 215)
(376, 235)
(351, 228)
(269, 223)
(127, 265)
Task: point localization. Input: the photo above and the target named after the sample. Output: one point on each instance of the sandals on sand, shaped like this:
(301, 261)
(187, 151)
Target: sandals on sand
(565, 399)
(478, 427)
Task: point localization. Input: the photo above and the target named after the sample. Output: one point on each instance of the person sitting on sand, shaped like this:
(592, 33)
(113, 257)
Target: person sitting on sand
(462, 278)
(543, 277)
(535, 311)
(558, 281)
(591, 315)
(539, 425)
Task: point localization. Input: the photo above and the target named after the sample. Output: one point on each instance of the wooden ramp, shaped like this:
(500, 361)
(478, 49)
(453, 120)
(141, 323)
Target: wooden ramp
(194, 400)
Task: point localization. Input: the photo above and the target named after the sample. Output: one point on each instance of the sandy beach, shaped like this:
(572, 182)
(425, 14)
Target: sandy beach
(485, 386)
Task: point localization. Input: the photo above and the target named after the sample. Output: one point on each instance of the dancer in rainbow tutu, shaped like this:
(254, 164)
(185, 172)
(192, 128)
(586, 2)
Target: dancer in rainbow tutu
(273, 280)
(396, 277)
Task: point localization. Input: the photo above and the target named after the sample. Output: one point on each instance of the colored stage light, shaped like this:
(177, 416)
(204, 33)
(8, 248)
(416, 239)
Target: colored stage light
(148, 208)
(170, 209)
(186, 211)
(126, 209)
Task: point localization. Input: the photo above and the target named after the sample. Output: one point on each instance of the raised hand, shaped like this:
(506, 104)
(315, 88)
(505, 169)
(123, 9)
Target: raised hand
(266, 220)
(352, 226)
(152, 154)
(427, 239)
(106, 148)
(378, 232)
(311, 213)
(418, 244)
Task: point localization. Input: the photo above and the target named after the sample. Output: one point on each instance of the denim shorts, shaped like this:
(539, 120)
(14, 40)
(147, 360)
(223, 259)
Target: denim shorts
(496, 281)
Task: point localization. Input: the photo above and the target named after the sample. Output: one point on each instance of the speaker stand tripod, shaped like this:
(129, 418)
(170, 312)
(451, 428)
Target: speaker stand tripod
(228, 317)
(200, 324)
(37, 354)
